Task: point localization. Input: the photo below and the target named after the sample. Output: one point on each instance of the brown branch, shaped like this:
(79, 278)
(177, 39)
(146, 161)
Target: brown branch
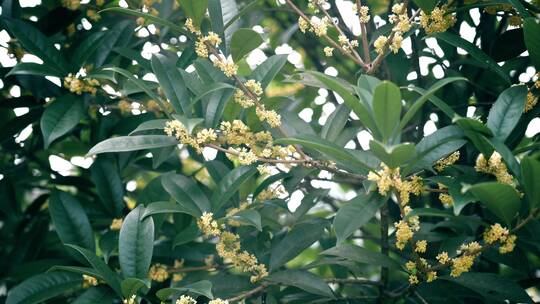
(363, 32)
(249, 293)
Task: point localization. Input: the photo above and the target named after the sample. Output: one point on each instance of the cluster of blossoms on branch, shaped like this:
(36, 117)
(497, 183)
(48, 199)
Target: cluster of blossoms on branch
(229, 248)
(189, 300)
(79, 86)
(494, 166)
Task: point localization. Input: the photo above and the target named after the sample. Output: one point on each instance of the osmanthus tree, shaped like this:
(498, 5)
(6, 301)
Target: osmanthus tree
(209, 169)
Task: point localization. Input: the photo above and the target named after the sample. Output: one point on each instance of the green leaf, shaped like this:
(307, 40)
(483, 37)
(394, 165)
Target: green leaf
(140, 84)
(230, 184)
(426, 5)
(475, 52)
(61, 117)
(105, 175)
(393, 156)
(187, 235)
(436, 101)
(428, 95)
(133, 143)
(109, 276)
(361, 255)
(77, 269)
(299, 238)
(41, 287)
(187, 193)
(95, 295)
(356, 213)
(195, 9)
(136, 244)
(154, 124)
(36, 43)
(172, 83)
(531, 32)
(30, 68)
(203, 288)
(249, 217)
(493, 287)
(505, 113)
(302, 279)
(335, 123)
(530, 170)
(131, 286)
(507, 155)
(387, 108)
(476, 131)
(501, 199)
(351, 101)
(333, 151)
(154, 19)
(243, 41)
(166, 208)
(70, 220)
(267, 71)
(87, 48)
(429, 212)
(435, 146)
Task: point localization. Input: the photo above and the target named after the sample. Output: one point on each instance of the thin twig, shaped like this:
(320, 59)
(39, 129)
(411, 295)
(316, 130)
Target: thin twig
(249, 293)
(363, 32)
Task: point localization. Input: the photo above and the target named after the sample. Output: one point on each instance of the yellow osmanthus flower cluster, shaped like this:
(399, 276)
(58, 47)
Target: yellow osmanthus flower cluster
(463, 263)
(494, 166)
(364, 16)
(420, 246)
(189, 300)
(318, 26)
(531, 101)
(328, 51)
(402, 24)
(422, 265)
(93, 15)
(404, 233)
(71, 4)
(247, 101)
(451, 159)
(438, 21)
(177, 129)
(497, 233)
(229, 249)
(271, 193)
(116, 224)
(158, 272)
(233, 211)
(346, 44)
(79, 86)
(89, 281)
(388, 178)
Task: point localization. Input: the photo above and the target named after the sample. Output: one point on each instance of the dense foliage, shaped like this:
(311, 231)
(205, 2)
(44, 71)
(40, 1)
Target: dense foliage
(270, 151)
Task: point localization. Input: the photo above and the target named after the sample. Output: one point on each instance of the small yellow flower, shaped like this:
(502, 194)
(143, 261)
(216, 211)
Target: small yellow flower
(421, 246)
(89, 281)
(531, 100)
(328, 51)
(186, 300)
(443, 257)
(364, 14)
(413, 279)
(116, 224)
(208, 225)
(303, 25)
(380, 44)
(431, 276)
(158, 273)
(404, 233)
(410, 266)
(451, 159)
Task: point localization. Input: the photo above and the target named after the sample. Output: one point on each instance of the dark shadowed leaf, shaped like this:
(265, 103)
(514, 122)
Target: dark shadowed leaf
(136, 244)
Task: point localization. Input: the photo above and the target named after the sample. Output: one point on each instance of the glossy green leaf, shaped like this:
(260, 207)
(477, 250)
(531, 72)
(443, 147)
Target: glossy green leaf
(154, 124)
(429, 94)
(70, 220)
(244, 41)
(131, 286)
(109, 276)
(531, 31)
(203, 288)
(186, 193)
(171, 82)
(475, 52)
(426, 5)
(42, 287)
(150, 17)
(351, 101)
(530, 170)
(335, 123)
(435, 146)
(95, 295)
(136, 244)
(61, 117)
(361, 255)
(133, 143)
(493, 287)
(302, 279)
(393, 156)
(165, 208)
(330, 149)
(230, 184)
(355, 213)
(387, 108)
(476, 131)
(37, 44)
(297, 240)
(195, 9)
(267, 71)
(501, 199)
(30, 68)
(505, 113)
(248, 217)
(105, 175)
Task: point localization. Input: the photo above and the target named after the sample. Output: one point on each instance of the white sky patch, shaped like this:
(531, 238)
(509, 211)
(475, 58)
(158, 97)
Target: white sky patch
(256, 57)
(57, 81)
(60, 165)
(209, 153)
(131, 186)
(295, 200)
(306, 114)
(470, 111)
(434, 46)
(345, 8)
(24, 134)
(533, 128)
(438, 71)
(429, 127)
(21, 111)
(15, 91)
(331, 71)
(29, 3)
(406, 45)
(327, 109)
(350, 145)
(424, 63)
(364, 137)
(83, 162)
(412, 76)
